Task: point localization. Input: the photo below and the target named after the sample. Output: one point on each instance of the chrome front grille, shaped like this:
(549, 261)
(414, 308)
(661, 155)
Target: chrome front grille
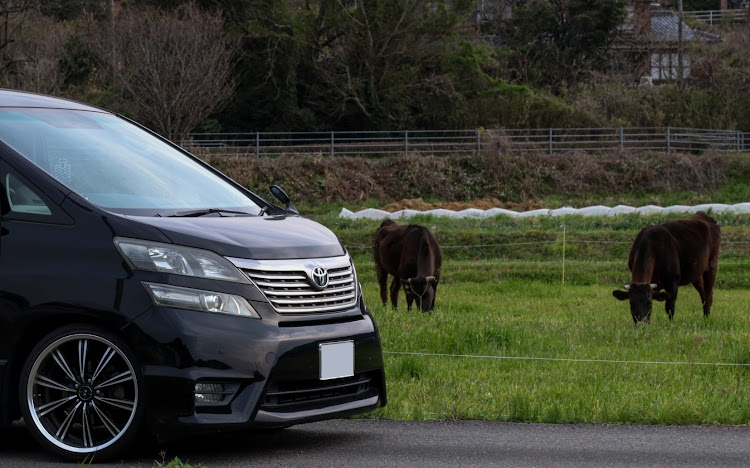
(288, 284)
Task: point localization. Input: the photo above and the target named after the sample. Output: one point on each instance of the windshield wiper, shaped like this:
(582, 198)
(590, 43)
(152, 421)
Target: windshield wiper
(196, 213)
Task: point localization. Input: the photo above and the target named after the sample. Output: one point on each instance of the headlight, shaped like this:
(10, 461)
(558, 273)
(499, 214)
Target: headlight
(196, 299)
(168, 258)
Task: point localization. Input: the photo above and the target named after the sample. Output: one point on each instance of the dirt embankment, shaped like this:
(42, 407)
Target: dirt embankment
(486, 178)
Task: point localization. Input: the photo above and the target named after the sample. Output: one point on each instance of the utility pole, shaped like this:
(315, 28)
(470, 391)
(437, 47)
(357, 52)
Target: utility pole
(680, 69)
(112, 38)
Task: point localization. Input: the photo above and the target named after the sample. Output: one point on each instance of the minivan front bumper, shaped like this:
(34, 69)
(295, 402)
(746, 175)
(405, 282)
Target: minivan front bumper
(270, 368)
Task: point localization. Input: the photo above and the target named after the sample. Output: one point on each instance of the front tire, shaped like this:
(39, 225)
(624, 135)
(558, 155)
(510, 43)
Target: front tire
(81, 393)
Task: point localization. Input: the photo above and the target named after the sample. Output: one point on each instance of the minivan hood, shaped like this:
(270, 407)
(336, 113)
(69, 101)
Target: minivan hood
(253, 237)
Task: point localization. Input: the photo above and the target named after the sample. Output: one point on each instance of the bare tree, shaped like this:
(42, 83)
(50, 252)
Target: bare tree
(31, 54)
(13, 14)
(175, 68)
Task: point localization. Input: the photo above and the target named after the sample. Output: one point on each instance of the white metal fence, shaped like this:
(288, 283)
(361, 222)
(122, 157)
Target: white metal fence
(547, 140)
(717, 16)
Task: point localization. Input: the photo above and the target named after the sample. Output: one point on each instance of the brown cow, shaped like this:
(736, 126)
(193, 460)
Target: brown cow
(669, 255)
(412, 256)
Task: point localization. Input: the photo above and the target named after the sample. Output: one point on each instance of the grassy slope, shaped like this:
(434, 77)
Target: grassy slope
(508, 300)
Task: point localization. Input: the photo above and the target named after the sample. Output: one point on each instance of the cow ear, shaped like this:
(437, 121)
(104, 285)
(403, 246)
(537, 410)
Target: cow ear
(430, 280)
(621, 295)
(661, 296)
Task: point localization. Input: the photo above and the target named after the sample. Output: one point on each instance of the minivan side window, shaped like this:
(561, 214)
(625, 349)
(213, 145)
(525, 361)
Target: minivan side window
(23, 199)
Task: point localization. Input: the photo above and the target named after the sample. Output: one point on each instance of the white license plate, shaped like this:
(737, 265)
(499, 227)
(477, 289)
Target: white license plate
(336, 360)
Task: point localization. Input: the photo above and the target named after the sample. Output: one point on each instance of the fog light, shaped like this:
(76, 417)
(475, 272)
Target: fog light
(210, 396)
(209, 393)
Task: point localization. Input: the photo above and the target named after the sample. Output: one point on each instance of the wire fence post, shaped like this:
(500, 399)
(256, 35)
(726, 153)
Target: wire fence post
(332, 141)
(669, 139)
(257, 143)
(738, 141)
(406, 141)
(563, 259)
(479, 142)
(550, 141)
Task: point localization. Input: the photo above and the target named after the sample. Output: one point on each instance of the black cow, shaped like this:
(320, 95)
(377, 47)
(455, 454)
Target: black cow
(669, 255)
(412, 256)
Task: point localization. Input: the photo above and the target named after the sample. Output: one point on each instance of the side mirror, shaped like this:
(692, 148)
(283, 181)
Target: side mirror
(281, 195)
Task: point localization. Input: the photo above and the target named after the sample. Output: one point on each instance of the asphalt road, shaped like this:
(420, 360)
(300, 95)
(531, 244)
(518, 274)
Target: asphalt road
(363, 443)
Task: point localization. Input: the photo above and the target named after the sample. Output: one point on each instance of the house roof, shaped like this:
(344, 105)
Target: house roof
(665, 30)
(665, 27)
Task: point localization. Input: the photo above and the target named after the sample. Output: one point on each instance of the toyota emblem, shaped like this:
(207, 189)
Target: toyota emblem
(320, 277)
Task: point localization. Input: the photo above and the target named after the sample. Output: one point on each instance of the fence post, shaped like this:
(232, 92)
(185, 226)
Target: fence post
(332, 140)
(738, 141)
(406, 141)
(669, 139)
(550, 141)
(479, 143)
(622, 139)
(257, 143)
(563, 259)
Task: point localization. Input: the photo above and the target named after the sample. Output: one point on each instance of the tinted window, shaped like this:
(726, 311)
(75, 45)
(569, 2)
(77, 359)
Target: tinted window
(22, 199)
(115, 164)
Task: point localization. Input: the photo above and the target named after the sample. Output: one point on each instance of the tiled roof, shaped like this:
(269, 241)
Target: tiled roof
(665, 30)
(665, 27)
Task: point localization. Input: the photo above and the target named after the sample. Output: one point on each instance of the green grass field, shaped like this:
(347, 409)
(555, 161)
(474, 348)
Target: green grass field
(507, 299)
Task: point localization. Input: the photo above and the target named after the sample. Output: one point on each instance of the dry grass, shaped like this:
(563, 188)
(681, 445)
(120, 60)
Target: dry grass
(496, 174)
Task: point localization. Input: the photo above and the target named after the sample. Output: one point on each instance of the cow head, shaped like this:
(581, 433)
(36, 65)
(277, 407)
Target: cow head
(641, 297)
(422, 291)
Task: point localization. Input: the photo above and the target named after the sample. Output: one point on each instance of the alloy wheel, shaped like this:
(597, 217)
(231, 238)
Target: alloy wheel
(82, 393)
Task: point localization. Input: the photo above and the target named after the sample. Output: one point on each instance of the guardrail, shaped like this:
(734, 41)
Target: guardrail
(717, 16)
(548, 140)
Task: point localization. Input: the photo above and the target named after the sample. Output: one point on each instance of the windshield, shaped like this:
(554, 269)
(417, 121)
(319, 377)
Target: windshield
(115, 164)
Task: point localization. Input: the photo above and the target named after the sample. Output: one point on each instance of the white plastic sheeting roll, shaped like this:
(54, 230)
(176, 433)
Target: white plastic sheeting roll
(598, 210)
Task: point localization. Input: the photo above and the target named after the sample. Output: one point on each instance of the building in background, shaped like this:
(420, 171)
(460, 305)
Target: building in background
(657, 42)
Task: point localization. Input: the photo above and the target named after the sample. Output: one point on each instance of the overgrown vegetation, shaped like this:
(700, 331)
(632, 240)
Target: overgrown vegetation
(288, 65)
(568, 178)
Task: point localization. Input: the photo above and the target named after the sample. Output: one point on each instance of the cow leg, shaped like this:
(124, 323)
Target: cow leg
(383, 280)
(669, 303)
(409, 301)
(699, 285)
(395, 287)
(709, 278)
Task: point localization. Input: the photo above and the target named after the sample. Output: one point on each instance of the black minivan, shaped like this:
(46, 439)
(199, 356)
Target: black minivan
(142, 289)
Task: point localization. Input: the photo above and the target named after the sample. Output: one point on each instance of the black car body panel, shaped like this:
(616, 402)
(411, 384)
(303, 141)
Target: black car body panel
(261, 238)
(176, 354)
(65, 269)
